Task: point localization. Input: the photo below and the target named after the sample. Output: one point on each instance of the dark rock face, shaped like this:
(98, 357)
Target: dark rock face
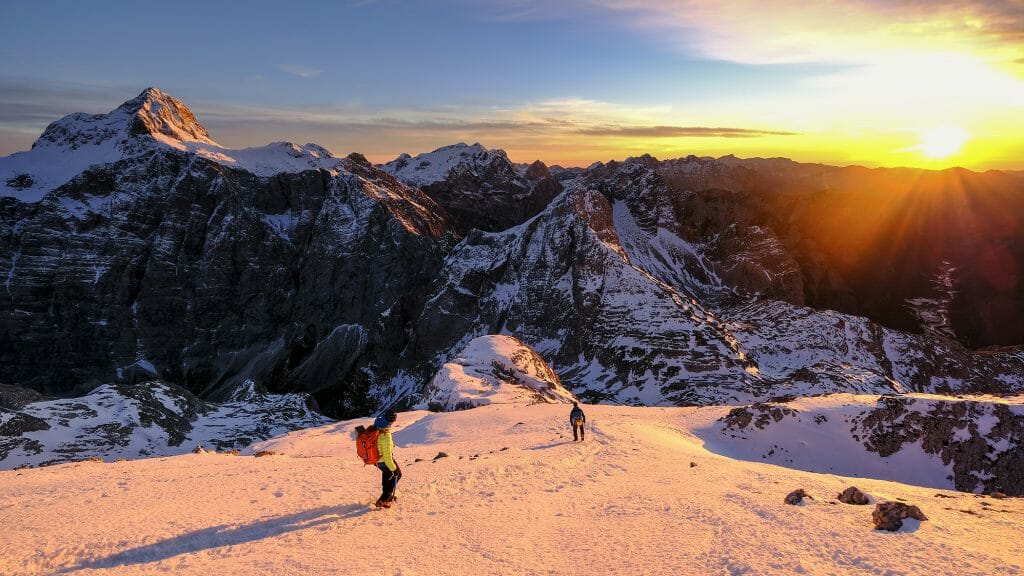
(890, 515)
(21, 423)
(480, 188)
(921, 251)
(605, 284)
(168, 264)
(214, 276)
(14, 397)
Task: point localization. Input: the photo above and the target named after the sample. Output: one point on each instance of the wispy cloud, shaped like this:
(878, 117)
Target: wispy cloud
(299, 70)
(527, 126)
(679, 132)
(788, 31)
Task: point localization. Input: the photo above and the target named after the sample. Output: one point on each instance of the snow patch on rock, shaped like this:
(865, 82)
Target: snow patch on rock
(425, 169)
(494, 370)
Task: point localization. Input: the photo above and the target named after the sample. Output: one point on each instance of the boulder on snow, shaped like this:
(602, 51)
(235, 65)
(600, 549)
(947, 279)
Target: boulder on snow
(494, 370)
(889, 515)
(853, 496)
(796, 496)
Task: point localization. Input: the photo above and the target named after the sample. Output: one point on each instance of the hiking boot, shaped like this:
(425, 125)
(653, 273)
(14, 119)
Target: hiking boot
(383, 504)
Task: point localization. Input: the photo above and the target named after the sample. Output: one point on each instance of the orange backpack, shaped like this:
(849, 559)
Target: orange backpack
(366, 444)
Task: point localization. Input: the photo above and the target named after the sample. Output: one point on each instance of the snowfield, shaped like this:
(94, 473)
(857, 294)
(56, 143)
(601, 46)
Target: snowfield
(641, 495)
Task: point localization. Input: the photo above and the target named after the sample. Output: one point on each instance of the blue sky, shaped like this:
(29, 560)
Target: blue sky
(388, 76)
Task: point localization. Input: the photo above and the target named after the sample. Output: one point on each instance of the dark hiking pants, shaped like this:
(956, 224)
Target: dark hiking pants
(577, 435)
(388, 481)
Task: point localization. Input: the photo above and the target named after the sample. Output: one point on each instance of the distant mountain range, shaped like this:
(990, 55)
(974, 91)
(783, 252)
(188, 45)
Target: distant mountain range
(134, 248)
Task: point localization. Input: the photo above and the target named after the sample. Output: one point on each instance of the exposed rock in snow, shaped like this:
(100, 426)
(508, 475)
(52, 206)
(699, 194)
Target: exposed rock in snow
(480, 188)
(970, 444)
(890, 515)
(494, 370)
(853, 496)
(430, 167)
(796, 497)
(148, 419)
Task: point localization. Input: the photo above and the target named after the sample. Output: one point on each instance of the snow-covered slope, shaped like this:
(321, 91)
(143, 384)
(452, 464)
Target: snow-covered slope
(150, 122)
(430, 167)
(148, 419)
(514, 495)
(494, 370)
(969, 444)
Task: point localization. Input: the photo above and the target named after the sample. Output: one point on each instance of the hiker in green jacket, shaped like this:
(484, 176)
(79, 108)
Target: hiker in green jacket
(391, 473)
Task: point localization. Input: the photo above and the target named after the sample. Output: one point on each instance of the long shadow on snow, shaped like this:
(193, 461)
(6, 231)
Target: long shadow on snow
(546, 446)
(217, 536)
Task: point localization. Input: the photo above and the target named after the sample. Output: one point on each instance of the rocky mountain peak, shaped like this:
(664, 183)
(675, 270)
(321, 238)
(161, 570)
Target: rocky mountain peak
(537, 171)
(152, 113)
(430, 167)
(156, 112)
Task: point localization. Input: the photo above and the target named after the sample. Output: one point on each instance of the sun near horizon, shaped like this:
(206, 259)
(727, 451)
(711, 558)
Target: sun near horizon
(570, 83)
(942, 142)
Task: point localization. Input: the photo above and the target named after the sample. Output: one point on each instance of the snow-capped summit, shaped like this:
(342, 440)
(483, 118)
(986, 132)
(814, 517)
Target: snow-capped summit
(152, 113)
(430, 167)
(152, 121)
(479, 187)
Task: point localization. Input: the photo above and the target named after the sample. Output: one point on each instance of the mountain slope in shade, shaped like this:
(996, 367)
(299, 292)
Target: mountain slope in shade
(176, 261)
(514, 496)
(479, 187)
(605, 285)
(494, 370)
(915, 250)
(970, 444)
(150, 419)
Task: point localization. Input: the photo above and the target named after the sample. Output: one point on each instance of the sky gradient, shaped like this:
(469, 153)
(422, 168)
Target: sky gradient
(878, 83)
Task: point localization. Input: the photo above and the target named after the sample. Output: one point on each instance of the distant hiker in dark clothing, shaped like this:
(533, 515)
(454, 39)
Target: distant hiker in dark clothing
(389, 469)
(577, 419)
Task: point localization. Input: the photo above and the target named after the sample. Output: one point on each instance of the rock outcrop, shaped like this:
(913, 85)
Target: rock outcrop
(494, 370)
(151, 419)
(969, 444)
(853, 496)
(480, 188)
(890, 515)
